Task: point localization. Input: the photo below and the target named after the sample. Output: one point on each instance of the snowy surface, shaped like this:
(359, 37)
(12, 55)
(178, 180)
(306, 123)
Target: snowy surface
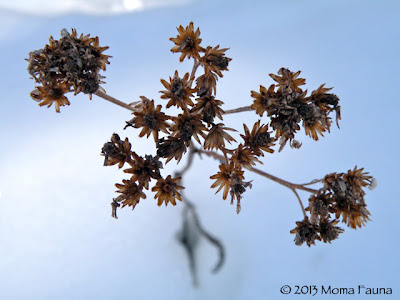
(58, 240)
(93, 7)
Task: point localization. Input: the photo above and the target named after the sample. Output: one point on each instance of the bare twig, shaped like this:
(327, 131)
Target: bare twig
(114, 100)
(283, 182)
(300, 202)
(312, 182)
(196, 64)
(237, 110)
(262, 173)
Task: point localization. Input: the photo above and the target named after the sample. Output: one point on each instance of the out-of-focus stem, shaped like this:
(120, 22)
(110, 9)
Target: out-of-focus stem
(190, 206)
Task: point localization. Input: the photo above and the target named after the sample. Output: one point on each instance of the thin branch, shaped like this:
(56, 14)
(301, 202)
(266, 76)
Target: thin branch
(312, 182)
(300, 202)
(265, 174)
(283, 182)
(196, 64)
(114, 100)
(192, 77)
(237, 110)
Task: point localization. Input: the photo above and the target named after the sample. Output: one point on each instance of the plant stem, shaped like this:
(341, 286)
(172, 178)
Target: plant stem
(114, 100)
(193, 150)
(192, 77)
(189, 162)
(300, 202)
(237, 110)
(196, 64)
(283, 182)
(288, 184)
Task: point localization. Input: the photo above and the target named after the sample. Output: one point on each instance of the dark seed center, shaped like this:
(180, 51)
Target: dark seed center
(262, 139)
(150, 121)
(188, 43)
(178, 90)
(238, 188)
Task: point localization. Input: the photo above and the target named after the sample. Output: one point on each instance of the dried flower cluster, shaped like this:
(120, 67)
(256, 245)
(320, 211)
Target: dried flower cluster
(72, 64)
(287, 105)
(341, 196)
(143, 170)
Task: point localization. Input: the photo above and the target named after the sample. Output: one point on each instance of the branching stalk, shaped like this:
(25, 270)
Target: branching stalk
(192, 150)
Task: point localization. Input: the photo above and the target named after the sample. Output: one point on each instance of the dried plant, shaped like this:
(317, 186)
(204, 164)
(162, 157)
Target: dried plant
(72, 64)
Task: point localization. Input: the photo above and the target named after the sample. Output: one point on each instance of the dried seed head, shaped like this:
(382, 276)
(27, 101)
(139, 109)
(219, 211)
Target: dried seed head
(206, 84)
(178, 91)
(187, 42)
(72, 63)
(320, 205)
(145, 169)
(172, 147)
(214, 60)
(217, 136)
(305, 232)
(131, 193)
(328, 231)
(288, 80)
(230, 178)
(209, 108)
(288, 106)
(347, 190)
(266, 100)
(167, 190)
(51, 93)
(259, 139)
(244, 157)
(150, 119)
(187, 126)
(224, 176)
(117, 151)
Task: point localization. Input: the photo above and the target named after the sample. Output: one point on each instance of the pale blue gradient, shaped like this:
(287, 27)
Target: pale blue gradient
(58, 240)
